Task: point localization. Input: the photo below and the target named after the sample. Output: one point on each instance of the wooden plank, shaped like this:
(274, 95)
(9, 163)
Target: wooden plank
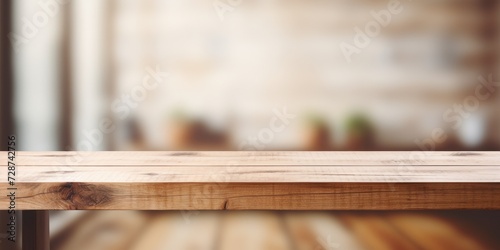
(207, 167)
(230, 158)
(255, 174)
(256, 180)
(266, 196)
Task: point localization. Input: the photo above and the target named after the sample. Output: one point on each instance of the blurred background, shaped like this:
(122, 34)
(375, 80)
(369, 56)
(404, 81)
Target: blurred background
(250, 75)
(203, 74)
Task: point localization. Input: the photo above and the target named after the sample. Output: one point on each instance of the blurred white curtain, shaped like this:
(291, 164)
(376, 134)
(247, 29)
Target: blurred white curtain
(36, 76)
(88, 73)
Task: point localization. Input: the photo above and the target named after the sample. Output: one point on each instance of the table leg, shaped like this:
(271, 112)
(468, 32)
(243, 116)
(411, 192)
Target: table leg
(35, 230)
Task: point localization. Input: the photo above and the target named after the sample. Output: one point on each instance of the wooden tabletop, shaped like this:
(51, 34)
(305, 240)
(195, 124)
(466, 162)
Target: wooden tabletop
(242, 180)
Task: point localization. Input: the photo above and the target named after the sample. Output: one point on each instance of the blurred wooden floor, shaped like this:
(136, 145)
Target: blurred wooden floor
(135, 230)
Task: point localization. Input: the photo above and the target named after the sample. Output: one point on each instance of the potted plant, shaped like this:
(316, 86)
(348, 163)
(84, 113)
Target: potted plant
(359, 133)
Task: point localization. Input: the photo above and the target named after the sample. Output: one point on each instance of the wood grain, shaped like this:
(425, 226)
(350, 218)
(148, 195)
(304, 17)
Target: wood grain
(320, 231)
(256, 196)
(230, 158)
(422, 228)
(256, 180)
(253, 230)
(107, 230)
(375, 232)
(176, 231)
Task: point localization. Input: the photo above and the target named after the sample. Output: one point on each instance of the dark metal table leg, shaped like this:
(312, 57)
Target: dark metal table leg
(35, 230)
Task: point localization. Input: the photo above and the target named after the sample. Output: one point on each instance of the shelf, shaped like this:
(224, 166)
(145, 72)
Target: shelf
(270, 180)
